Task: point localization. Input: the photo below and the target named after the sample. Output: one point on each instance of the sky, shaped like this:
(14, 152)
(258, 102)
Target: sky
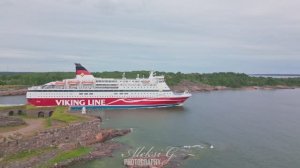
(249, 36)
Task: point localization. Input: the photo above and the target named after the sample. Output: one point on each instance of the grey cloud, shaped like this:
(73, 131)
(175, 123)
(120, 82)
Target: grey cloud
(171, 35)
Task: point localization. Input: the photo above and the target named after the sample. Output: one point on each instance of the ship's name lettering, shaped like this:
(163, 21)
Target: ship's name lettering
(94, 102)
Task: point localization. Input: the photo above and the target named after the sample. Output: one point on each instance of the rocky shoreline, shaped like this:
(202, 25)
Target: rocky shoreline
(181, 87)
(98, 150)
(50, 143)
(14, 92)
(101, 148)
(199, 87)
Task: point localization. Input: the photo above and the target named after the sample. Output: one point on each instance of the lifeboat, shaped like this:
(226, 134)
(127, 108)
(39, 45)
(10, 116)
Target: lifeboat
(87, 82)
(59, 83)
(146, 81)
(73, 82)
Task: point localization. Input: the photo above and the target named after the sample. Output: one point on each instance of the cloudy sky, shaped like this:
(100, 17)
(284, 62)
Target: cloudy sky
(251, 36)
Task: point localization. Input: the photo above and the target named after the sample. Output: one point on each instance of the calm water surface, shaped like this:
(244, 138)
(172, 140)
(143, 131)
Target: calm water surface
(249, 129)
(12, 100)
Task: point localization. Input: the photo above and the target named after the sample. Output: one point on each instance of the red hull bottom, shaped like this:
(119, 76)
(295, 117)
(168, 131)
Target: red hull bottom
(108, 102)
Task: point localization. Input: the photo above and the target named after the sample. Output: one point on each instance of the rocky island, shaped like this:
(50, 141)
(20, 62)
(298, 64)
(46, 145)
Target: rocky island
(58, 139)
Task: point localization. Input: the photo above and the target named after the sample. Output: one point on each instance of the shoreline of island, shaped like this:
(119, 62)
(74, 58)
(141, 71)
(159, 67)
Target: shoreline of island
(199, 87)
(16, 83)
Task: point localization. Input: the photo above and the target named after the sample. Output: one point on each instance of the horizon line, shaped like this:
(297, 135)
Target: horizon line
(266, 74)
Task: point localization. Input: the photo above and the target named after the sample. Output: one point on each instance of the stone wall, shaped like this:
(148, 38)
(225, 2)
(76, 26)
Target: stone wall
(40, 112)
(10, 121)
(21, 110)
(77, 133)
(12, 111)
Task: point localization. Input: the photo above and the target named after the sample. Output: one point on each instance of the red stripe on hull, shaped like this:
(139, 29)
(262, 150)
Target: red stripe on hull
(106, 101)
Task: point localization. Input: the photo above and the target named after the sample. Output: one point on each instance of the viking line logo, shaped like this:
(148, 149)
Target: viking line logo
(95, 102)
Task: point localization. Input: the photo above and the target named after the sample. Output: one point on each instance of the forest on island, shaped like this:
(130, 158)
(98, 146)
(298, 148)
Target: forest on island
(228, 79)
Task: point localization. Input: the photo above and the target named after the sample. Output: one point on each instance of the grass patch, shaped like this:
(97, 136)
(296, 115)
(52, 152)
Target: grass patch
(12, 107)
(48, 122)
(25, 154)
(61, 114)
(26, 107)
(31, 107)
(70, 154)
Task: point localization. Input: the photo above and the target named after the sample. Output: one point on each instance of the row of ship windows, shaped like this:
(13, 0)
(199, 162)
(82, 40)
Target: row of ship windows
(118, 88)
(98, 90)
(87, 94)
(107, 84)
(122, 96)
(99, 86)
(122, 81)
(129, 86)
(105, 87)
(139, 96)
(125, 95)
(107, 81)
(91, 94)
(125, 81)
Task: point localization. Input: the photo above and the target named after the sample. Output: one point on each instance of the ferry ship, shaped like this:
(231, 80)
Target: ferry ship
(87, 91)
